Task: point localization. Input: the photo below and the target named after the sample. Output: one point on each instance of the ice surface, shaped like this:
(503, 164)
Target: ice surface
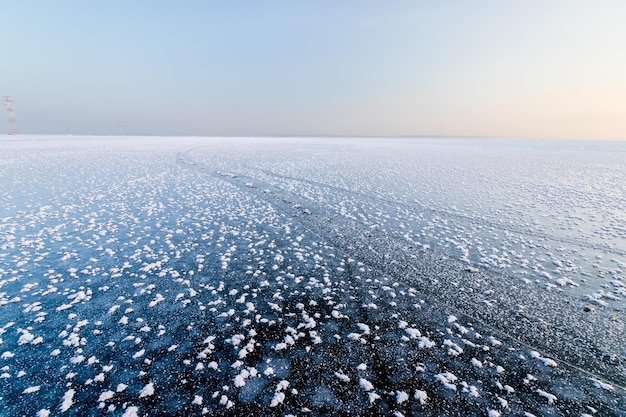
(277, 276)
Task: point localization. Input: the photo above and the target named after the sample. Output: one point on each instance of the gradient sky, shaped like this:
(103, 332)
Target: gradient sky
(535, 69)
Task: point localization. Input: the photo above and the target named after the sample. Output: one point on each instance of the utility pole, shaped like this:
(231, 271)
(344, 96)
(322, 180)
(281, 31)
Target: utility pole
(13, 127)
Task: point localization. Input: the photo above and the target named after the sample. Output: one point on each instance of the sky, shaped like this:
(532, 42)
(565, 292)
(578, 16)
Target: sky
(521, 69)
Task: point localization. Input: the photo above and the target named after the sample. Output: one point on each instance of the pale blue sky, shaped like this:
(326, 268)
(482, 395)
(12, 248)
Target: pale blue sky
(553, 69)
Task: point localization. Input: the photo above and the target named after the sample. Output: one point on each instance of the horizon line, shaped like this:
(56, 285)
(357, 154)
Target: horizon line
(469, 137)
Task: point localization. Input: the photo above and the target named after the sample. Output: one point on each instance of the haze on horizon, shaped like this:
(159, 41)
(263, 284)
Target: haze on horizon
(531, 69)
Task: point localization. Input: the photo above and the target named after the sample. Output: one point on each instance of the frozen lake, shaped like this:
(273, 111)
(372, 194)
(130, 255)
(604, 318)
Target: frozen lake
(311, 276)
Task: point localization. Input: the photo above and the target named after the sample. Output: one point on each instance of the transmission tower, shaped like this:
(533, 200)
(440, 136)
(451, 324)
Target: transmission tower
(13, 128)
